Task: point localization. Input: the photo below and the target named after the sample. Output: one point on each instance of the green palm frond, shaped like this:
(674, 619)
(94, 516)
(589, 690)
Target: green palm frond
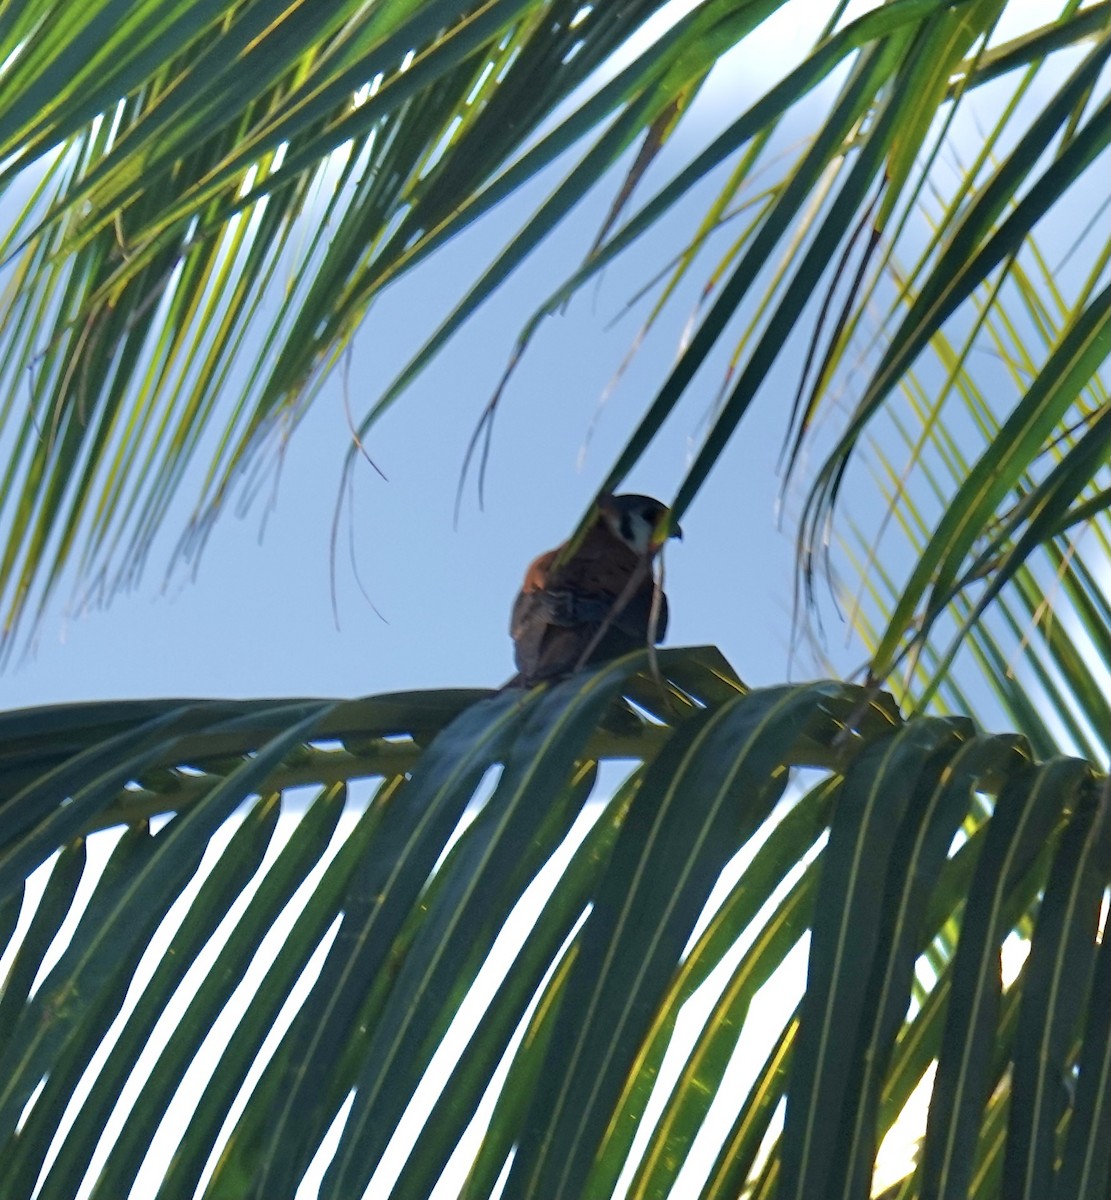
(215, 211)
(315, 907)
(905, 853)
(1026, 613)
(219, 191)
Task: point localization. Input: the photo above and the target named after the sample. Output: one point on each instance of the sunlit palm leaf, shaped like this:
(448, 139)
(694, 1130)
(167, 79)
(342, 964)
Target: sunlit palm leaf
(181, 156)
(1043, 642)
(178, 168)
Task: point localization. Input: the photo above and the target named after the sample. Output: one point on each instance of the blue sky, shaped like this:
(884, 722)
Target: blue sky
(257, 618)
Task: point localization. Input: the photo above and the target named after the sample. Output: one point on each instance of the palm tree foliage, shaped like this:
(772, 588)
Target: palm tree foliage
(306, 893)
(219, 191)
(903, 831)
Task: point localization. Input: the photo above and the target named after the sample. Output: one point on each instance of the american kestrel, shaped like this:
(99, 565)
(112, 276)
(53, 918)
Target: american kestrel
(562, 606)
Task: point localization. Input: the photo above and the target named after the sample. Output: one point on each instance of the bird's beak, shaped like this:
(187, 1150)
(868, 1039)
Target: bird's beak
(674, 532)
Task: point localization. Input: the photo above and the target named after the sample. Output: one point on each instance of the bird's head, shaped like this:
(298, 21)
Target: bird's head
(639, 521)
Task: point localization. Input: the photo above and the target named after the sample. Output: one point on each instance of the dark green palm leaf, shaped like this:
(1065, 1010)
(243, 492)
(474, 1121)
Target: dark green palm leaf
(400, 907)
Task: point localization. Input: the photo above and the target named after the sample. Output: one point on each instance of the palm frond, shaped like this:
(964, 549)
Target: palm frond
(327, 955)
(213, 213)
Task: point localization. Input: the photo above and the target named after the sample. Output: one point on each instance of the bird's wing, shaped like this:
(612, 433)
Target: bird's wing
(543, 648)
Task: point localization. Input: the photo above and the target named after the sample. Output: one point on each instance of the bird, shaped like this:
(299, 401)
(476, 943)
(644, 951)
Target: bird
(597, 604)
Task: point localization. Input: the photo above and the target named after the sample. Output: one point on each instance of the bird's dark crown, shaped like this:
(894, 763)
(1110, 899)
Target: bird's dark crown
(635, 519)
